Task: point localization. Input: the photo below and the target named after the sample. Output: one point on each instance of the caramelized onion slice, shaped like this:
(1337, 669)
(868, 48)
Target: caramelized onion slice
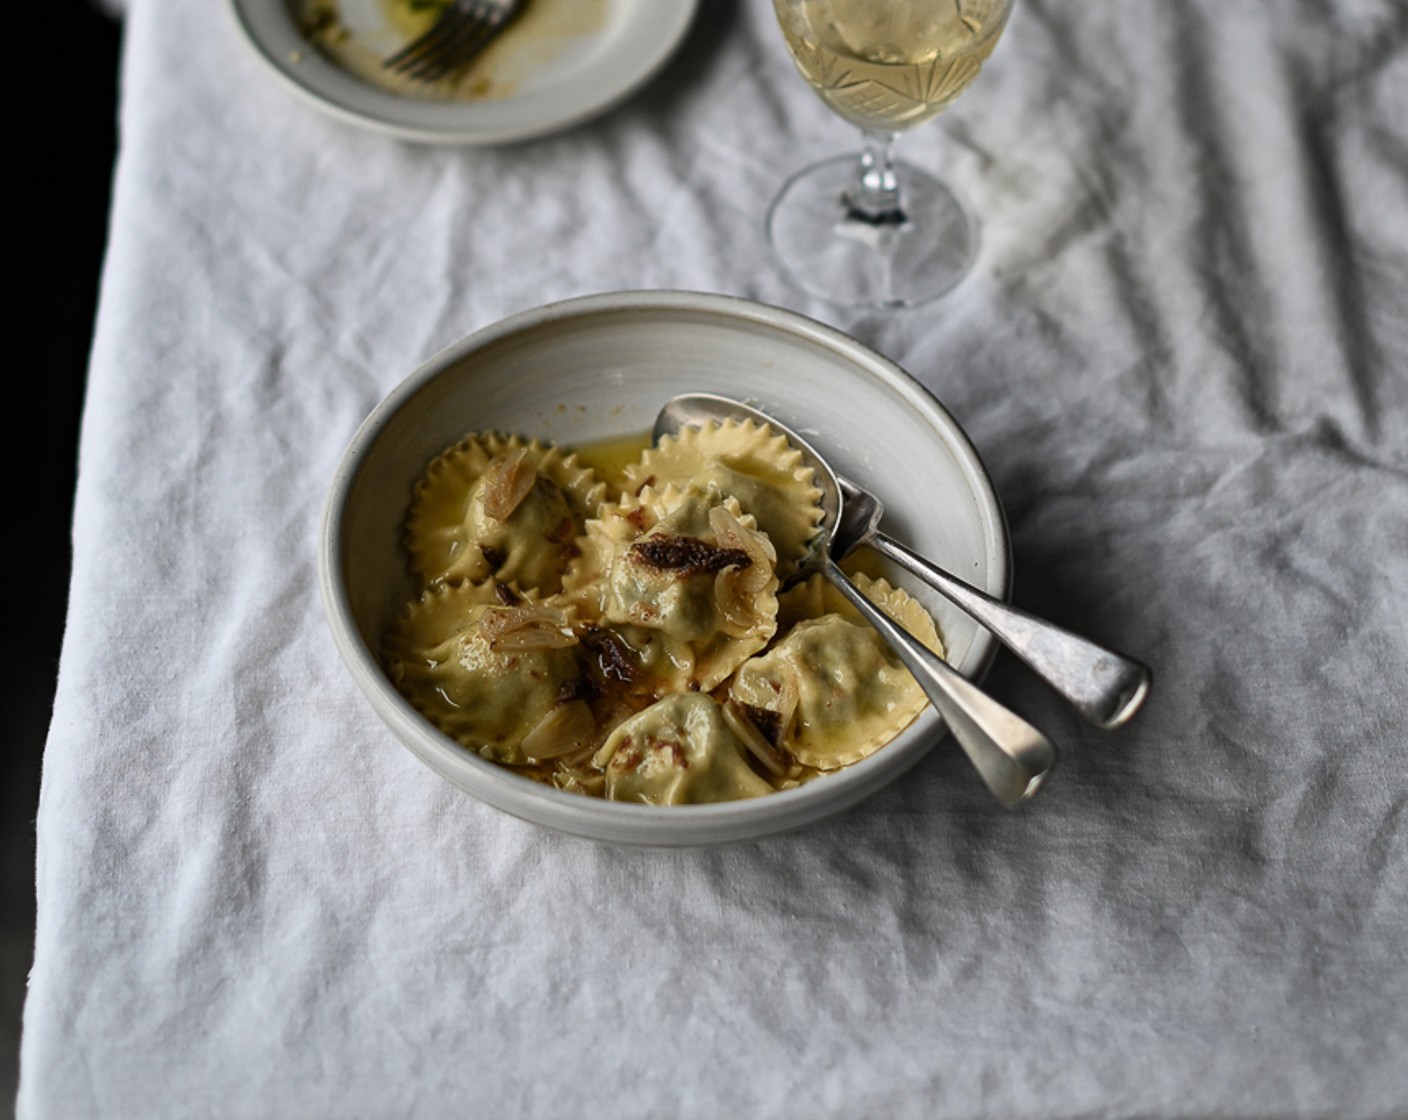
(508, 479)
(772, 759)
(524, 628)
(567, 729)
(737, 589)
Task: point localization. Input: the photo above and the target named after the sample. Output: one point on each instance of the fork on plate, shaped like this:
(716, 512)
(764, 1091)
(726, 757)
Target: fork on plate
(462, 30)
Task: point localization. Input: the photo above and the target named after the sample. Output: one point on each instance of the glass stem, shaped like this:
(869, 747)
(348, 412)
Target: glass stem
(875, 197)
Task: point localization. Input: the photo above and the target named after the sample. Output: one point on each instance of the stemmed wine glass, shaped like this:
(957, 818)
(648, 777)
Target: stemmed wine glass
(871, 231)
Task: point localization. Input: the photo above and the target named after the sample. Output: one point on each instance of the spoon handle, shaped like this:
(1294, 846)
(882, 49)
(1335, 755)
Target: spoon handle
(1105, 687)
(1012, 757)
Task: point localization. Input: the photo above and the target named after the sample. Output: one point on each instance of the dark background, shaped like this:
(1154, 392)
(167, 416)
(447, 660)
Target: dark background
(68, 122)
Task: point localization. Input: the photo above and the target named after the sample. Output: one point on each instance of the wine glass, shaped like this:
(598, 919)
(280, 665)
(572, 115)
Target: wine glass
(871, 231)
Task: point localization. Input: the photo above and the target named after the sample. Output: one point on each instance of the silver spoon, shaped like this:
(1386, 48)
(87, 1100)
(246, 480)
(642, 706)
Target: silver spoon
(1105, 687)
(1012, 757)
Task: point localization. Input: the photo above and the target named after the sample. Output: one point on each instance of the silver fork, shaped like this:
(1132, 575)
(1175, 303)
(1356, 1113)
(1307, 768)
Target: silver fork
(463, 29)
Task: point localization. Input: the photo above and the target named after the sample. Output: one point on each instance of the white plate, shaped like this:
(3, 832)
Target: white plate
(596, 71)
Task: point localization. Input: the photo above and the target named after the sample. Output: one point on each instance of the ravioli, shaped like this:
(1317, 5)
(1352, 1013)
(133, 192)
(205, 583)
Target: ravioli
(685, 580)
(483, 664)
(502, 507)
(679, 751)
(752, 464)
(830, 692)
(642, 649)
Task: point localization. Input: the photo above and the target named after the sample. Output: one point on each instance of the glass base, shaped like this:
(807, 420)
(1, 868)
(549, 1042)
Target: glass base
(850, 260)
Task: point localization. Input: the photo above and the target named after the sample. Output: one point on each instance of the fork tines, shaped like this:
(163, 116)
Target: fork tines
(462, 31)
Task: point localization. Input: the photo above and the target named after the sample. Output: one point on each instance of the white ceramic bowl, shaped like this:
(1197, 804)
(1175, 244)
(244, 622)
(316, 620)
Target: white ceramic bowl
(601, 366)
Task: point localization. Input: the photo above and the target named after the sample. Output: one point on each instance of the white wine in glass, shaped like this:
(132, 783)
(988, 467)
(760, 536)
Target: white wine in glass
(866, 231)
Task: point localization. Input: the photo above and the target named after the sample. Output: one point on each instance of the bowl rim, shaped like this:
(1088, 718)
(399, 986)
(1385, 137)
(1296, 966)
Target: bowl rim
(625, 822)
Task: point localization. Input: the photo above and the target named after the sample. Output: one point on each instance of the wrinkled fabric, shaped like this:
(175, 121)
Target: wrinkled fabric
(1183, 355)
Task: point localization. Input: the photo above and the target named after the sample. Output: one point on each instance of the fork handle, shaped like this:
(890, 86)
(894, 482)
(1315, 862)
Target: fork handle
(1010, 755)
(1105, 687)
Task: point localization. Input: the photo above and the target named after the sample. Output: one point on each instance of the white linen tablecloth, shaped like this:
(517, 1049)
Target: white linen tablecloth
(1184, 356)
